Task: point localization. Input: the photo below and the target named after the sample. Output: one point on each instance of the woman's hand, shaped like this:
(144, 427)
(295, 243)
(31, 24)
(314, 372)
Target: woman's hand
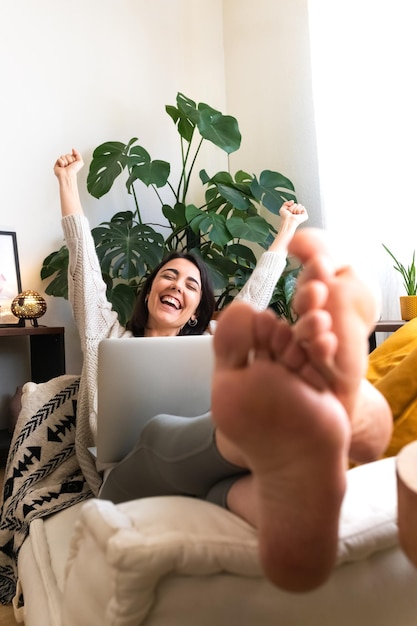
(66, 168)
(292, 215)
(70, 163)
(293, 211)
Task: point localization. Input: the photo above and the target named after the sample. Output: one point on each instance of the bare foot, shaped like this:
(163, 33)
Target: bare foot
(282, 397)
(293, 437)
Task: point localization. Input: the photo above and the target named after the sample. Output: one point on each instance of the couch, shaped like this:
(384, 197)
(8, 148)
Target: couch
(174, 561)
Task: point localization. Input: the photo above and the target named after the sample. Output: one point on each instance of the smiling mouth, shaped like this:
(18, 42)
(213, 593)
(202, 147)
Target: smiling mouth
(172, 302)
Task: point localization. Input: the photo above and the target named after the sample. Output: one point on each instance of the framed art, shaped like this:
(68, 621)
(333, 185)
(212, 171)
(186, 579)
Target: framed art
(10, 282)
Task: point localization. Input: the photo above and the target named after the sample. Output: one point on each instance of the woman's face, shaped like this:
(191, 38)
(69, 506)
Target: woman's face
(174, 297)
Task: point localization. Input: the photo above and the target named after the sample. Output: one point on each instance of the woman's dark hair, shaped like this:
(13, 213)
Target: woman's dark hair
(204, 313)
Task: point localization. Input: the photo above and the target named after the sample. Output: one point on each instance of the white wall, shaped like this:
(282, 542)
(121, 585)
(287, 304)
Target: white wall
(81, 73)
(363, 57)
(268, 87)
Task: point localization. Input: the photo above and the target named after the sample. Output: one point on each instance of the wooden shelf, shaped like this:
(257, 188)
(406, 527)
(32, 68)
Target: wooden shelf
(22, 331)
(5, 439)
(384, 326)
(47, 351)
(388, 326)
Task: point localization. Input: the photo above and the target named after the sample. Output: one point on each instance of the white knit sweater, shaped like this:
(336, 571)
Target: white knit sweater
(96, 320)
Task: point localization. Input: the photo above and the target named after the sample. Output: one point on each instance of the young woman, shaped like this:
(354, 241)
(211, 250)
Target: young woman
(289, 403)
(176, 299)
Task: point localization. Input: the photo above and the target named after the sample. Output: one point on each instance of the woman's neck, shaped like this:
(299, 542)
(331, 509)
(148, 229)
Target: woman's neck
(161, 332)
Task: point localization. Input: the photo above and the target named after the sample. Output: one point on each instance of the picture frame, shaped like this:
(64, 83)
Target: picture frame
(10, 281)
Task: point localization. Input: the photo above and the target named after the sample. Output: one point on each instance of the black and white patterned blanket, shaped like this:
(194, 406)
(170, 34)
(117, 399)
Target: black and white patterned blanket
(42, 474)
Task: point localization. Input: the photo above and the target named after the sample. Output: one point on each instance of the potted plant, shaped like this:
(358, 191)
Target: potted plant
(408, 303)
(219, 229)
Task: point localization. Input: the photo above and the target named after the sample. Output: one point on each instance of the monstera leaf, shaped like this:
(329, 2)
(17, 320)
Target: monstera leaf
(272, 190)
(126, 249)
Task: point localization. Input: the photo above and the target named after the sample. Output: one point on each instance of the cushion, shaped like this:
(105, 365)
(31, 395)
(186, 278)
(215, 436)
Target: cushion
(41, 568)
(393, 371)
(392, 351)
(182, 562)
(154, 560)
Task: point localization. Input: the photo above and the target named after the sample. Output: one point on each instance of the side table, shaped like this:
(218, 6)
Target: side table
(47, 359)
(384, 326)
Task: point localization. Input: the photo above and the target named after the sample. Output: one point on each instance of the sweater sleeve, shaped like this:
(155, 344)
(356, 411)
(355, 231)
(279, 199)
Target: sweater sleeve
(259, 288)
(95, 321)
(93, 314)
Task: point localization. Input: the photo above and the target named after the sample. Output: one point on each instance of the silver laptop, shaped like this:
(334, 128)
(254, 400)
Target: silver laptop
(141, 377)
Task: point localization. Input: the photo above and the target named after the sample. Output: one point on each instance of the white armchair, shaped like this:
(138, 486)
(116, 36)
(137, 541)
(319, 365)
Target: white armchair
(182, 562)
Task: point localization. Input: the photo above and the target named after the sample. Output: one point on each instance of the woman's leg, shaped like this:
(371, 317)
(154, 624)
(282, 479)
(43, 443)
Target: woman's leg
(173, 456)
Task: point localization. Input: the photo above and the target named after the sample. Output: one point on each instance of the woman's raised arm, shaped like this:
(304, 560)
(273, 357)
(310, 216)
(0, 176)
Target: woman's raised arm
(66, 169)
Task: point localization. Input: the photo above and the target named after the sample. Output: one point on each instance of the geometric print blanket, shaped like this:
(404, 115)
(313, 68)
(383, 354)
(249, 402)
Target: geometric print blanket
(42, 474)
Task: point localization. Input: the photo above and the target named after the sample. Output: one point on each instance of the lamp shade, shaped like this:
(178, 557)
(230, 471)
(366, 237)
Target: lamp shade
(28, 305)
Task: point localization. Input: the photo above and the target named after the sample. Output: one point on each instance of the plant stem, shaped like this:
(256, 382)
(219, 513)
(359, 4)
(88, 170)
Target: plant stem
(139, 217)
(184, 158)
(187, 181)
(157, 193)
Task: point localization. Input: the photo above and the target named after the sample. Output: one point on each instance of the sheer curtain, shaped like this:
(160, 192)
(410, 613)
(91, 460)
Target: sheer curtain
(363, 55)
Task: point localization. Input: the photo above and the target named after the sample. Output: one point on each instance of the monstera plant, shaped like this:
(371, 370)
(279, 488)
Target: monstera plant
(222, 229)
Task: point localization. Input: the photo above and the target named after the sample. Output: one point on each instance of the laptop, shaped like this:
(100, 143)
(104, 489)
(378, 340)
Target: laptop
(140, 377)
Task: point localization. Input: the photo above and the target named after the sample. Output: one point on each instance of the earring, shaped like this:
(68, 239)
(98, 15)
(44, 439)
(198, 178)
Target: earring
(192, 322)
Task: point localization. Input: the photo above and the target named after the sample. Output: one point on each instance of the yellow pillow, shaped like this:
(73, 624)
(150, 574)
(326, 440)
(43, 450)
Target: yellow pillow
(393, 371)
(399, 385)
(392, 351)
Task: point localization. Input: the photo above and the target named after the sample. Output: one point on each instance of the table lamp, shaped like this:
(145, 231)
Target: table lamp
(29, 305)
